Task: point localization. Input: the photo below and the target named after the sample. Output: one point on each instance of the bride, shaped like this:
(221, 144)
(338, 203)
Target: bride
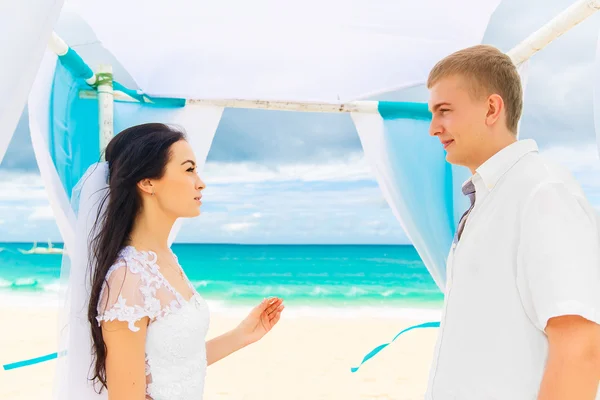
(140, 333)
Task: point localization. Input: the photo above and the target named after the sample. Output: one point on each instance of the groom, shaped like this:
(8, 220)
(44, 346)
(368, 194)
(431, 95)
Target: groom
(522, 301)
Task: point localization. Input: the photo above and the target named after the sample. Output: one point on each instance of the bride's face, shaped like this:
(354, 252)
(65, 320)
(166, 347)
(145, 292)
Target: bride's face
(179, 191)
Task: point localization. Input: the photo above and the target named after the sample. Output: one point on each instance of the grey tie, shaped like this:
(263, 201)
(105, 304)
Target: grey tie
(468, 190)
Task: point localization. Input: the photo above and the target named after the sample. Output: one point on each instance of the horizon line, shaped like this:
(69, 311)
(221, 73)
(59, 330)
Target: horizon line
(241, 244)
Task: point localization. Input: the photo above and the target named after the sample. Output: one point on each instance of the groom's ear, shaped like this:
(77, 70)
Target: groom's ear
(145, 185)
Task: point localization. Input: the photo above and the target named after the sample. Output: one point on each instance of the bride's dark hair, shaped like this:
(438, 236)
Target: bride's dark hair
(137, 153)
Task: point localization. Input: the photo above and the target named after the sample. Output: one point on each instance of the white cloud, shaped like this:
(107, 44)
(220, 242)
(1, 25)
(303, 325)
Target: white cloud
(21, 187)
(295, 212)
(578, 159)
(237, 226)
(283, 208)
(353, 169)
(584, 163)
(41, 213)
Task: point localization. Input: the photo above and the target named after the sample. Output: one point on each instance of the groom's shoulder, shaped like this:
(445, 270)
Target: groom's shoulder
(535, 170)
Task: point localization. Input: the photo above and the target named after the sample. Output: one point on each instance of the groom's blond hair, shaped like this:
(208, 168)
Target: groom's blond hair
(490, 72)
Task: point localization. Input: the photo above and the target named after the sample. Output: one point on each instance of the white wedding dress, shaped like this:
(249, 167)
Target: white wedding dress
(176, 336)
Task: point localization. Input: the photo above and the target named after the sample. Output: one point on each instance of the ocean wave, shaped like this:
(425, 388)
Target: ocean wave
(333, 292)
(24, 284)
(319, 291)
(226, 291)
(349, 275)
(341, 276)
(356, 291)
(380, 260)
(397, 261)
(29, 284)
(237, 292)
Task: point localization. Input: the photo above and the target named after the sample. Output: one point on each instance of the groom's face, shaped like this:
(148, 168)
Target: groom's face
(458, 118)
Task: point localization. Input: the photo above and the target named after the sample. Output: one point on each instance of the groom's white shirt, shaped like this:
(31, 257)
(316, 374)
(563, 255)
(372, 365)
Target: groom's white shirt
(530, 251)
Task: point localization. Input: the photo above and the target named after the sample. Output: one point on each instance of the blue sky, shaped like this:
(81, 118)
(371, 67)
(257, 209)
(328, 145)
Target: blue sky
(276, 177)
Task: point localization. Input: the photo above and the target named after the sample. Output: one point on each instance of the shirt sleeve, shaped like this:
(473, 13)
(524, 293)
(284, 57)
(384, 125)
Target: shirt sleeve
(559, 256)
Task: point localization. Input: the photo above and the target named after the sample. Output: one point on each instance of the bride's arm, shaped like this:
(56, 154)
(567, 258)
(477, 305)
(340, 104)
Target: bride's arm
(125, 359)
(254, 327)
(222, 346)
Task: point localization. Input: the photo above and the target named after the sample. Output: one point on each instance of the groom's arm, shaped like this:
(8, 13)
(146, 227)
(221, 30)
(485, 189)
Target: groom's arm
(559, 271)
(573, 366)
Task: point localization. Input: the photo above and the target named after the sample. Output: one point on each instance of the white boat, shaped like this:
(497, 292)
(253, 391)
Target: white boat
(35, 249)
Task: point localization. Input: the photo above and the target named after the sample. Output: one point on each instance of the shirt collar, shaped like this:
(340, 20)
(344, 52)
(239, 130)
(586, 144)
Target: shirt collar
(490, 172)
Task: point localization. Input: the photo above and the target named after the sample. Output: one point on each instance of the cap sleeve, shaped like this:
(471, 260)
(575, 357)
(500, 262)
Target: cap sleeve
(128, 294)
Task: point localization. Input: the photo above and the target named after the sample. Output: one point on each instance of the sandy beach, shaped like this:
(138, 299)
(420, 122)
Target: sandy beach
(305, 357)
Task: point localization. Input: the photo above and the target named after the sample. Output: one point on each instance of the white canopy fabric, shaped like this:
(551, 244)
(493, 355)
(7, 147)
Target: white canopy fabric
(25, 27)
(310, 50)
(200, 123)
(38, 104)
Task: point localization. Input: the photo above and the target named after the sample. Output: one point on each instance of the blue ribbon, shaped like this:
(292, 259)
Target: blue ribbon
(162, 102)
(383, 346)
(405, 110)
(74, 63)
(31, 361)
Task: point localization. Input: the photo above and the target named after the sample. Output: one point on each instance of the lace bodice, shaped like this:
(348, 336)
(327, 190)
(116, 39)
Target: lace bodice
(175, 338)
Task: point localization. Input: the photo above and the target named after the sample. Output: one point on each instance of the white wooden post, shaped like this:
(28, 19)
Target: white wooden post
(105, 105)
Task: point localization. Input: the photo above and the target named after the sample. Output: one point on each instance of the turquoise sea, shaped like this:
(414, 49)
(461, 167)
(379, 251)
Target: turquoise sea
(304, 275)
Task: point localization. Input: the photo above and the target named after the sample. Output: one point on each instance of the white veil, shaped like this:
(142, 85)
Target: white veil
(74, 364)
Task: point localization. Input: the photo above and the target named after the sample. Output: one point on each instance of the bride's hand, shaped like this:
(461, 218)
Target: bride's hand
(261, 320)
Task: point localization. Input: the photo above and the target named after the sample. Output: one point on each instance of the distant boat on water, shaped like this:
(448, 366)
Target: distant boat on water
(43, 250)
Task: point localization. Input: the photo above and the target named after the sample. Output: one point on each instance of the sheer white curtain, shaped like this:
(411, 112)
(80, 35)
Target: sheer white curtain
(25, 27)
